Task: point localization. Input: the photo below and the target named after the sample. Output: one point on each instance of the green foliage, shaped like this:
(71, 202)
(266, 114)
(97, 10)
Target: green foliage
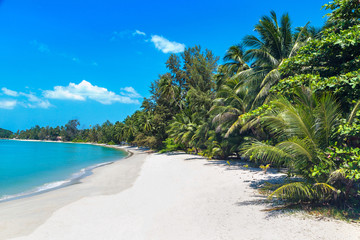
(303, 192)
(70, 130)
(170, 146)
(78, 140)
(330, 63)
(303, 129)
(334, 54)
(346, 87)
(350, 133)
(214, 149)
(344, 13)
(267, 51)
(265, 167)
(327, 136)
(348, 159)
(5, 133)
(282, 97)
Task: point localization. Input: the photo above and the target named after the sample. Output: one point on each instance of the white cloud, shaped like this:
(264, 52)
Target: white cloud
(10, 92)
(41, 104)
(125, 34)
(85, 90)
(137, 32)
(167, 46)
(62, 93)
(8, 104)
(27, 100)
(34, 101)
(31, 97)
(130, 92)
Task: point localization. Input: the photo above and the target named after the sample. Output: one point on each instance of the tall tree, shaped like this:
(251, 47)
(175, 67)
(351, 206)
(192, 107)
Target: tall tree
(275, 42)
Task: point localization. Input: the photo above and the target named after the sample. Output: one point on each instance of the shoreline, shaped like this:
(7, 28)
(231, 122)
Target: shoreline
(23, 215)
(180, 196)
(84, 172)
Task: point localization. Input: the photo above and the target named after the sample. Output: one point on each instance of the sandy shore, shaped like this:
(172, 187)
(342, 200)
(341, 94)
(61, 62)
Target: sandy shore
(21, 217)
(174, 197)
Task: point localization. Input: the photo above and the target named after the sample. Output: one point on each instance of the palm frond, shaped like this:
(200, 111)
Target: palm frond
(296, 191)
(337, 175)
(249, 124)
(323, 191)
(328, 112)
(264, 152)
(298, 149)
(297, 41)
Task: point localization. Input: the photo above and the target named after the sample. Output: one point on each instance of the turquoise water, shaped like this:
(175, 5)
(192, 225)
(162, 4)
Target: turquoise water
(31, 167)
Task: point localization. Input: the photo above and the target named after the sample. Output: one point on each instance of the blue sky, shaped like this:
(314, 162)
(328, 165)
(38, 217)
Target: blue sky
(94, 60)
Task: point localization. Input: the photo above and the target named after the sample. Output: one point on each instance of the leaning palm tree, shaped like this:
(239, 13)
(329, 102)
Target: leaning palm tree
(302, 130)
(267, 51)
(230, 104)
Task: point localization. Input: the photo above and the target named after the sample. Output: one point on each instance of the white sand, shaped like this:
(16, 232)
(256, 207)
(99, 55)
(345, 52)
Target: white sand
(21, 217)
(185, 197)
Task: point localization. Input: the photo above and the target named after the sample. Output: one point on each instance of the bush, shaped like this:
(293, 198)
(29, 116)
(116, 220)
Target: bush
(170, 146)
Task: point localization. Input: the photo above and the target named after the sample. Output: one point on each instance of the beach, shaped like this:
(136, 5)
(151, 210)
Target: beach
(22, 216)
(164, 196)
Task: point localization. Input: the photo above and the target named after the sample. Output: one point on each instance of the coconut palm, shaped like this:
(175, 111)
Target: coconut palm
(267, 52)
(229, 106)
(234, 60)
(180, 126)
(169, 90)
(302, 131)
(188, 129)
(307, 33)
(248, 86)
(128, 130)
(145, 121)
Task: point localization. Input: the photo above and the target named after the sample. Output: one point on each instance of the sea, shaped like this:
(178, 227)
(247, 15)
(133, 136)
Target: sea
(28, 168)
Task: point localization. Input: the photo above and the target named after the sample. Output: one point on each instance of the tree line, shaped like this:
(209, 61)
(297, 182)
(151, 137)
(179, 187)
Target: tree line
(283, 96)
(106, 133)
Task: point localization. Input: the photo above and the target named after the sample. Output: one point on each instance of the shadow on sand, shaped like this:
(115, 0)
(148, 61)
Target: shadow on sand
(273, 176)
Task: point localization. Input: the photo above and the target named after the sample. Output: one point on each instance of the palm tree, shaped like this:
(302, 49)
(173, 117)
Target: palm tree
(169, 90)
(129, 129)
(234, 60)
(307, 33)
(186, 129)
(267, 52)
(229, 106)
(145, 119)
(302, 131)
(242, 87)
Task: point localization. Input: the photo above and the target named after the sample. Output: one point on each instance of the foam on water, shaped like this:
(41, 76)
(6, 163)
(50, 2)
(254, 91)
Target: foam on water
(62, 179)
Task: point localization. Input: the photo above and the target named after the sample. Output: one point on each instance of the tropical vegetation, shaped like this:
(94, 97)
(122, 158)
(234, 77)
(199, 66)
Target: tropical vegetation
(284, 96)
(5, 133)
